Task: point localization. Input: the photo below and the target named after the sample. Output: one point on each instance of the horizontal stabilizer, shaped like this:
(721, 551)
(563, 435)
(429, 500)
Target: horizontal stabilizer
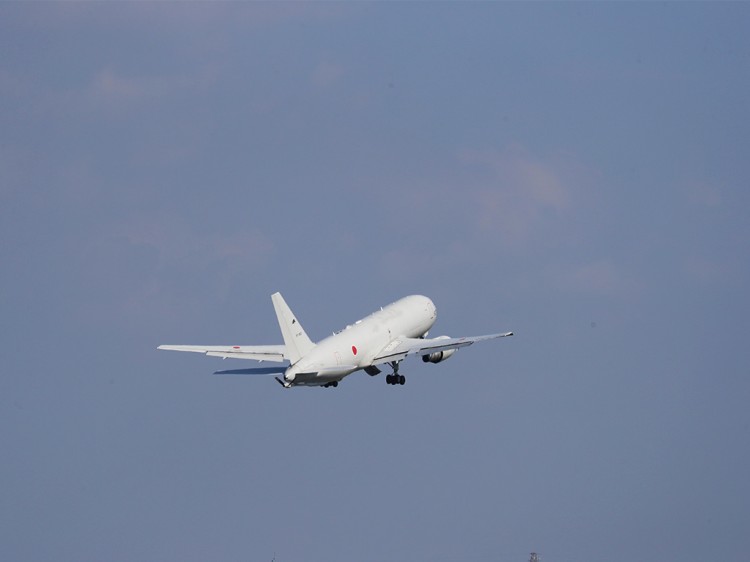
(253, 371)
(257, 352)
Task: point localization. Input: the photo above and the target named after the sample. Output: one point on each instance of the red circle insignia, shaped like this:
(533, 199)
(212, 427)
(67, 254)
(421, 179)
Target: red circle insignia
(354, 349)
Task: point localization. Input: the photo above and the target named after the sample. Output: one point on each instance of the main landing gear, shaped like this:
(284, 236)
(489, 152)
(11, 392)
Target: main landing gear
(334, 384)
(395, 378)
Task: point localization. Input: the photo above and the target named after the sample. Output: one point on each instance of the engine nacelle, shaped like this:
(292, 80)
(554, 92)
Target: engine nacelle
(439, 356)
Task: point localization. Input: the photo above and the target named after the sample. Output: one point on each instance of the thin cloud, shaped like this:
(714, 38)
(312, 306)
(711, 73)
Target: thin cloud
(522, 174)
(11, 85)
(519, 198)
(404, 263)
(326, 74)
(186, 18)
(176, 242)
(112, 87)
(711, 272)
(602, 277)
(705, 194)
(497, 202)
(109, 85)
(173, 261)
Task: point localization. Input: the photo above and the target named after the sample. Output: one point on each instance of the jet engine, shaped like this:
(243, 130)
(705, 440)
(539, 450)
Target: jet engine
(439, 356)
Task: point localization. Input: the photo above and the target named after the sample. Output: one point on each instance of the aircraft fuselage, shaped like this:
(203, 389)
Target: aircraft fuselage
(357, 345)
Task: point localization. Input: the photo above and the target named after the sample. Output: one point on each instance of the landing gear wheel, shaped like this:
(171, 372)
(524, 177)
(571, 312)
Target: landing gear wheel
(395, 379)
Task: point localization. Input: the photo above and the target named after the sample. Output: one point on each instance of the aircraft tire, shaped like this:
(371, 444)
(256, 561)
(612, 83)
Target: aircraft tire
(401, 379)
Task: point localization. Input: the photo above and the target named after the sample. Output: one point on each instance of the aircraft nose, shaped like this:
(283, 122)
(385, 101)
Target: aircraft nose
(431, 306)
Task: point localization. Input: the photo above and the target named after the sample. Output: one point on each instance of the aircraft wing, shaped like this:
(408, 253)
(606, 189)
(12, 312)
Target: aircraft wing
(275, 353)
(401, 348)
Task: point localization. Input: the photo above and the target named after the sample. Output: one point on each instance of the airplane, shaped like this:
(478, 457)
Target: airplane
(385, 337)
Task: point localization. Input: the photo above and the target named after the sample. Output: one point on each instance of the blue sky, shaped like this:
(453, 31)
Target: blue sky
(574, 172)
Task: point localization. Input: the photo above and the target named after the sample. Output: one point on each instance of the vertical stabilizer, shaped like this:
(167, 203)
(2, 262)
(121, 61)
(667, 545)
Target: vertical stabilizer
(295, 339)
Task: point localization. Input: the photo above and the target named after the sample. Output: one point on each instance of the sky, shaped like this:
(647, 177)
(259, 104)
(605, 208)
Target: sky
(577, 173)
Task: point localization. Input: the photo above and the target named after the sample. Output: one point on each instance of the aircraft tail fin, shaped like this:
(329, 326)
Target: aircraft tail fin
(295, 339)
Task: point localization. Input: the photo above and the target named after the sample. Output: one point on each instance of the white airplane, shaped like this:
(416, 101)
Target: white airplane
(385, 337)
